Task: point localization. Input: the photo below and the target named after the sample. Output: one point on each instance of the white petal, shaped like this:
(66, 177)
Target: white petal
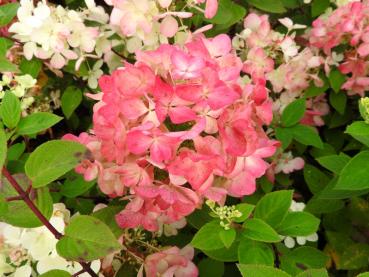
(289, 242)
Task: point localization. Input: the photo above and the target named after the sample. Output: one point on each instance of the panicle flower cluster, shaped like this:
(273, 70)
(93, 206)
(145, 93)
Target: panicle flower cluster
(275, 57)
(20, 86)
(59, 35)
(178, 126)
(148, 23)
(364, 108)
(226, 214)
(348, 25)
(24, 251)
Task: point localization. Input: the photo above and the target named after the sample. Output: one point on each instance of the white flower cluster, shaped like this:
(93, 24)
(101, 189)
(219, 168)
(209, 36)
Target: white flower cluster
(290, 241)
(59, 35)
(22, 250)
(19, 86)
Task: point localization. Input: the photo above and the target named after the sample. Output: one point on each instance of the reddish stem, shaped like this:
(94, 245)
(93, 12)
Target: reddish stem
(24, 195)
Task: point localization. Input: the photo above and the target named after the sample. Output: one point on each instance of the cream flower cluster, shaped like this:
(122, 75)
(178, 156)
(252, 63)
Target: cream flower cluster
(19, 86)
(22, 251)
(59, 35)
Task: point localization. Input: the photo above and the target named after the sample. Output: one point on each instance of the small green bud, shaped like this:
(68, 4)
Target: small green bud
(364, 108)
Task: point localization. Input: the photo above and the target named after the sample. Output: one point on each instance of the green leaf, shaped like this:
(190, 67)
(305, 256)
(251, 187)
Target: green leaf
(36, 123)
(4, 207)
(298, 224)
(83, 240)
(365, 274)
(107, 215)
(334, 163)
(16, 150)
(5, 44)
(56, 273)
(7, 13)
(246, 210)
(227, 237)
(284, 135)
(3, 148)
(320, 206)
(51, 160)
(336, 78)
(75, 186)
(355, 256)
(70, 100)
(273, 207)
(259, 230)
(207, 238)
(209, 267)
(5, 65)
(261, 271)
(254, 252)
(359, 130)
(355, 175)
(338, 101)
(199, 217)
(228, 14)
(272, 6)
(306, 135)
(315, 179)
(308, 256)
(31, 67)
(18, 213)
(224, 254)
(313, 273)
(10, 110)
(330, 191)
(294, 112)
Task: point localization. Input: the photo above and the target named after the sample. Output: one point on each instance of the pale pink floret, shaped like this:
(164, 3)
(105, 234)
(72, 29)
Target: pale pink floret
(171, 262)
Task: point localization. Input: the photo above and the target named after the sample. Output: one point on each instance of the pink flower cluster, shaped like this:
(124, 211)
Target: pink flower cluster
(176, 127)
(275, 57)
(348, 24)
(171, 262)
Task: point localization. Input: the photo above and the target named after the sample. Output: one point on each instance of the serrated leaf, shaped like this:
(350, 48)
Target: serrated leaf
(82, 240)
(298, 224)
(334, 163)
(336, 78)
(227, 237)
(207, 237)
(31, 67)
(272, 6)
(294, 112)
(273, 207)
(255, 252)
(51, 160)
(261, 271)
(306, 135)
(355, 174)
(37, 122)
(359, 130)
(259, 230)
(10, 110)
(70, 100)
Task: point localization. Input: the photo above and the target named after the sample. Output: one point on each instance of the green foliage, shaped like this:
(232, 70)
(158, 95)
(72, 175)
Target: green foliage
(75, 186)
(261, 271)
(10, 110)
(17, 212)
(298, 224)
(209, 267)
(207, 238)
(70, 100)
(228, 14)
(56, 273)
(255, 252)
(37, 122)
(259, 230)
(272, 6)
(31, 67)
(7, 13)
(360, 131)
(294, 112)
(3, 148)
(51, 160)
(336, 78)
(83, 240)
